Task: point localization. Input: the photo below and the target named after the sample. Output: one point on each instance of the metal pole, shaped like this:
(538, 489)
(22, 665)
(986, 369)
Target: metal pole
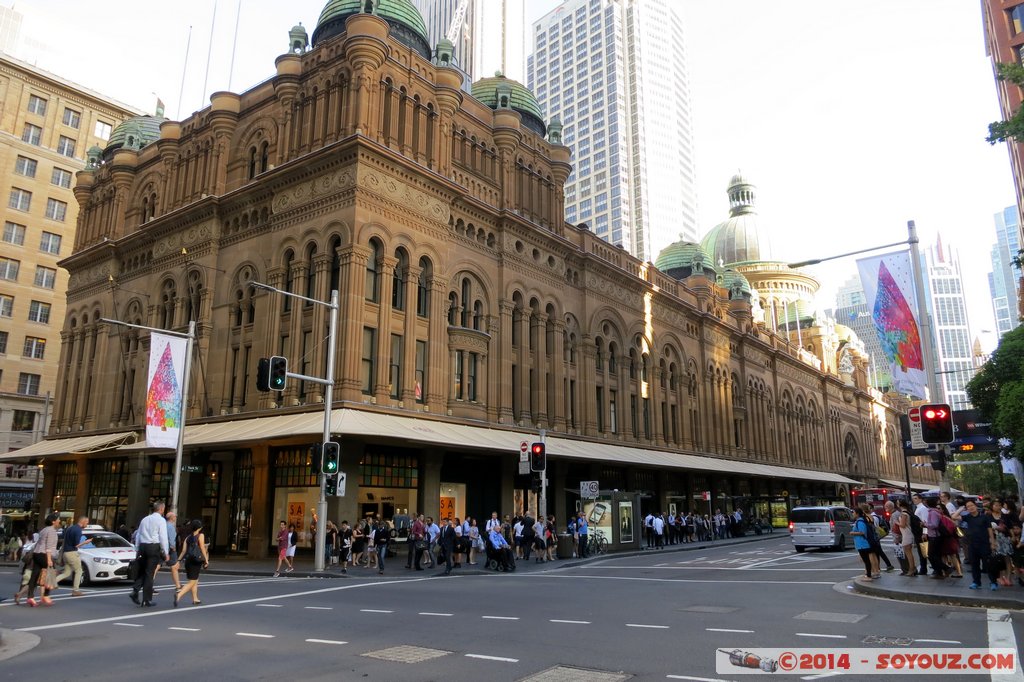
(925, 325)
(542, 512)
(321, 507)
(176, 484)
(35, 496)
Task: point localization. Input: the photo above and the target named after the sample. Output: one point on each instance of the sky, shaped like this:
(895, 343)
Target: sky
(850, 117)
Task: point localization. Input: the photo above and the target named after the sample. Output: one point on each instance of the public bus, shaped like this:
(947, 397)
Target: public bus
(876, 498)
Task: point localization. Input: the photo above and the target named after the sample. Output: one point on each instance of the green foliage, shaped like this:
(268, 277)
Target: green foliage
(997, 390)
(982, 479)
(1013, 127)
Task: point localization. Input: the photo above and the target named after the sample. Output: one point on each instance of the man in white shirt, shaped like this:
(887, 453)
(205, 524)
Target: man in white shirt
(649, 529)
(493, 523)
(658, 524)
(921, 512)
(151, 543)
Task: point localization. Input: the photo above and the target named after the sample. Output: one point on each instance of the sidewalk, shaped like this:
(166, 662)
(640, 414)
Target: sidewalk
(950, 591)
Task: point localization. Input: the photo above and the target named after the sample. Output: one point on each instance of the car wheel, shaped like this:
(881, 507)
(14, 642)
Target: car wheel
(841, 545)
(85, 576)
(799, 549)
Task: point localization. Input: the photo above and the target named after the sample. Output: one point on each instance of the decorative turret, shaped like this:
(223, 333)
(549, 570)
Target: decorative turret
(444, 53)
(298, 39)
(738, 239)
(93, 157)
(404, 22)
(504, 93)
(555, 130)
(134, 133)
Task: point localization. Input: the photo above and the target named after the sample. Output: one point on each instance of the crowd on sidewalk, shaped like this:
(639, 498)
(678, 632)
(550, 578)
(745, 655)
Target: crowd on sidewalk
(947, 534)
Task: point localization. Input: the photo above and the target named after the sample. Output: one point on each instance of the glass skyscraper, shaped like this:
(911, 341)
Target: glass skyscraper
(1002, 281)
(615, 73)
(945, 300)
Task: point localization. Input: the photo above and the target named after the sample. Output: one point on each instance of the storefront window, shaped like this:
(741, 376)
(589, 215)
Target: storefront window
(241, 503)
(108, 493)
(387, 487)
(65, 487)
(296, 493)
(160, 485)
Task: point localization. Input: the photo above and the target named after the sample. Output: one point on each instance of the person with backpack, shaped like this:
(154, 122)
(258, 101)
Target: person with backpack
(936, 534)
(196, 557)
(920, 512)
(862, 534)
(950, 542)
(880, 532)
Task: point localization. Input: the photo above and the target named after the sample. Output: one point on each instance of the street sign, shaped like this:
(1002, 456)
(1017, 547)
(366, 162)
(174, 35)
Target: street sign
(341, 484)
(589, 490)
(916, 437)
(524, 463)
(706, 496)
(191, 468)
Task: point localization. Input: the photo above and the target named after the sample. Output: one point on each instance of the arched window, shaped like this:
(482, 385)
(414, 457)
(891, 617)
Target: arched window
(398, 280)
(264, 157)
(613, 352)
(373, 273)
(423, 288)
(252, 162)
(633, 361)
(238, 308)
(335, 265)
(167, 297)
(599, 353)
(453, 308)
(478, 315)
(466, 290)
(195, 296)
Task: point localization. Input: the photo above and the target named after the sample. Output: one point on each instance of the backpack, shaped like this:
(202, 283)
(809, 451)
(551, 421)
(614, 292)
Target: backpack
(916, 528)
(946, 527)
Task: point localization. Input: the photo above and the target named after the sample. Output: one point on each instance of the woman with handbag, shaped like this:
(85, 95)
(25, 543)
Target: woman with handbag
(43, 555)
(196, 558)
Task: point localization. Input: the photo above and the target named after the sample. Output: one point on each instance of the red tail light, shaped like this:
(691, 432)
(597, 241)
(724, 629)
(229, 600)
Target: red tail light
(790, 526)
(832, 525)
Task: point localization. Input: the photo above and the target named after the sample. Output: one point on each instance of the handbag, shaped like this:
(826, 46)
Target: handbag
(194, 553)
(420, 545)
(50, 579)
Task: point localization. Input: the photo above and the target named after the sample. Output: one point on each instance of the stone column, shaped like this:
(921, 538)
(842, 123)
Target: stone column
(625, 407)
(409, 337)
(82, 485)
(504, 383)
(382, 383)
(556, 412)
(322, 267)
(540, 366)
(264, 526)
(352, 298)
(588, 385)
(524, 367)
(438, 372)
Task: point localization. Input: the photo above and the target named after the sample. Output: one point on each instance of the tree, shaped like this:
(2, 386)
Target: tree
(1013, 127)
(997, 390)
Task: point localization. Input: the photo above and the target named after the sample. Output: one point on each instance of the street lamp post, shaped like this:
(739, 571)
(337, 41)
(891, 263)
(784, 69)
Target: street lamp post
(328, 383)
(924, 323)
(190, 338)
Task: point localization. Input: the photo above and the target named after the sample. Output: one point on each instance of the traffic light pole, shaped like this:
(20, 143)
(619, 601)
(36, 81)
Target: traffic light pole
(542, 512)
(328, 383)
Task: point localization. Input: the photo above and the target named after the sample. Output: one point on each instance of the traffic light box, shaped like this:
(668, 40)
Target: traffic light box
(271, 374)
(315, 457)
(331, 486)
(536, 485)
(937, 424)
(938, 459)
(329, 465)
(538, 457)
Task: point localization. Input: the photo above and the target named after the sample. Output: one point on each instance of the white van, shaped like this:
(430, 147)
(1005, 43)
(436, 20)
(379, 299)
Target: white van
(820, 527)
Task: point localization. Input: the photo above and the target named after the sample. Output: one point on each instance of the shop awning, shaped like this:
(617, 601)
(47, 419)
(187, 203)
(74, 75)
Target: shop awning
(903, 484)
(75, 445)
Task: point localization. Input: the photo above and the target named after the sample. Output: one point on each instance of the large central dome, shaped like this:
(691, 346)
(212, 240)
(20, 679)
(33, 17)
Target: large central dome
(738, 239)
(407, 26)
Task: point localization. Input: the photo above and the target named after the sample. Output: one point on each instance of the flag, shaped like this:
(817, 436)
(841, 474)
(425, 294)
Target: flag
(164, 404)
(888, 283)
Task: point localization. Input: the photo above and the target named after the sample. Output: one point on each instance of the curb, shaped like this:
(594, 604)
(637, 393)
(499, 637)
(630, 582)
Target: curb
(968, 600)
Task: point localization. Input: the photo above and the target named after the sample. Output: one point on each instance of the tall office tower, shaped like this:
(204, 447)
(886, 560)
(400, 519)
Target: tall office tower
(1004, 25)
(491, 35)
(1002, 281)
(10, 29)
(615, 73)
(852, 311)
(47, 124)
(944, 293)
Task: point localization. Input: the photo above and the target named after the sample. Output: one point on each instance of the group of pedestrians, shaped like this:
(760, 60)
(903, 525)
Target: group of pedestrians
(661, 529)
(945, 534)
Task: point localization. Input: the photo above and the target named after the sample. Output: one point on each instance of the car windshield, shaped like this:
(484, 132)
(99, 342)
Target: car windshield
(106, 541)
(807, 516)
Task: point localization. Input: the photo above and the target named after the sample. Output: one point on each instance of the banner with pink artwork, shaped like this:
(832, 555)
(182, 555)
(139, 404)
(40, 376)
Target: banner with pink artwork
(888, 283)
(163, 390)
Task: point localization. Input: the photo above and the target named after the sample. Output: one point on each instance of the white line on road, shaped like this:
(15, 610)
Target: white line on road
(727, 630)
(184, 629)
(431, 613)
(254, 634)
(325, 641)
(1000, 634)
(571, 622)
(695, 679)
(669, 580)
(939, 641)
(319, 608)
(641, 625)
(493, 658)
(130, 625)
(375, 611)
(822, 676)
(816, 634)
(271, 606)
(500, 617)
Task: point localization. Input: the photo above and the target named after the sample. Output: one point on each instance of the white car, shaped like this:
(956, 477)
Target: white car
(105, 557)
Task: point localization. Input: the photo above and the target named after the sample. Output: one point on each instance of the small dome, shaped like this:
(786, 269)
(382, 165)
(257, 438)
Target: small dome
(731, 279)
(406, 23)
(490, 91)
(683, 258)
(134, 133)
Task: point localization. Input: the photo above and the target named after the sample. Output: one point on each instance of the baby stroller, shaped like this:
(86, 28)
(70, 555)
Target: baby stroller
(500, 559)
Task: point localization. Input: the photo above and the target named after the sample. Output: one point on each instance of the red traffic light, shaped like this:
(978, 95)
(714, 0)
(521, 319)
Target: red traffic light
(935, 414)
(538, 457)
(537, 448)
(937, 424)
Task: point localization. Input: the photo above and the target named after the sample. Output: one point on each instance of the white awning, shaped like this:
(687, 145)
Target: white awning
(903, 484)
(74, 445)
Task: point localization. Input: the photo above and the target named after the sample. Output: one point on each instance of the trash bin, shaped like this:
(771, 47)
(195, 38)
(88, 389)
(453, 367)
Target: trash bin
(566, 545)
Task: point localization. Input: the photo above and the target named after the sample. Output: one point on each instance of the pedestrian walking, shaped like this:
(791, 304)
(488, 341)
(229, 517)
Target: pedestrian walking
(981, 538)
(417, 544)
(43, 554)
(282, 549)
(293, 545)
(474, 541)
(920, 537)
(72, 561)
(172, 550)
(381, 537)
(950, 542)
(330, 544)
(880, 532)
(936, 534)
(433, 532)
(447, 541)
(359, 539)
(196, 558)
(151, 543)
(344, 545)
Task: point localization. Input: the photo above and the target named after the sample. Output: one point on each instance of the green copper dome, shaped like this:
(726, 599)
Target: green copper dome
(492, 91)
(134, 133)
(678, 259)
(407, 26)
(738, 239)
(731, 279)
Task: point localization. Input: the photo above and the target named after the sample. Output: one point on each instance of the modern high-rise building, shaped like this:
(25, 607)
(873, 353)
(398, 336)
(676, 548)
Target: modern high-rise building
(944, 293)
(852, 311)
(46, 126)
(615, 73)
(1002, 281)
(1003, 22)
(491, 34)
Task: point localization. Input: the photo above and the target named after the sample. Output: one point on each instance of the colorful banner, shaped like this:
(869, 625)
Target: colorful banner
(163, 392)
(888, 283)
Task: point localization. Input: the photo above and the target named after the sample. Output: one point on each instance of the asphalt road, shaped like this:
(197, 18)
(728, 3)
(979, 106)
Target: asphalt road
(653, 617)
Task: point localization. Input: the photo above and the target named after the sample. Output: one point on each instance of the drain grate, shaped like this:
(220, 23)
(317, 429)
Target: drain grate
(710, 609)
(883, 640)
(564, 673)
(406, 654)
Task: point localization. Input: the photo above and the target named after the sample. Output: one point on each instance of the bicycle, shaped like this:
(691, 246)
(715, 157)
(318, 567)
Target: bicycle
(597, 543)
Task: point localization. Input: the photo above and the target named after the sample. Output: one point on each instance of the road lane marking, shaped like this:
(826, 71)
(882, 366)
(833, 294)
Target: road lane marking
(130, 625)
(727, 630)
(221, 605)
(375, 611)
(816, 634)
(695, 679)
(271, 606)
(1000, 635)
(184, 629)
(493, 658)
(535, 576)
(822, 676)
(939, 641)
(500, 617)
(431, 613)
(571, 622)
(325, 641)
(320, 608)
(254, 634)
(641, 625)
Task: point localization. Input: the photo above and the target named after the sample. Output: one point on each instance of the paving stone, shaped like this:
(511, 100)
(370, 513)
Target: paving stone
(406, 654)
(564, 673)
